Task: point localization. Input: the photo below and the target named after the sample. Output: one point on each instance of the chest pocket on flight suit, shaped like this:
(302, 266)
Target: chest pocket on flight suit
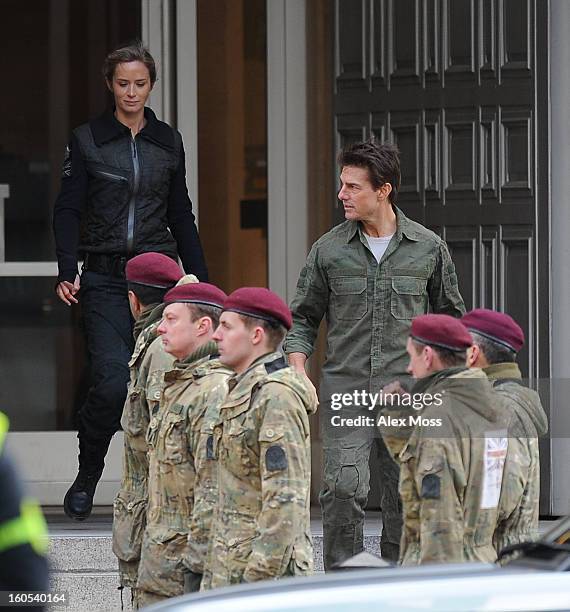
(348, 297)
(408, 298)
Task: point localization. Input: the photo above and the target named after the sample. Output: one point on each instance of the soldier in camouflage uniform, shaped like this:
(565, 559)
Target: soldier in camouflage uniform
(262, 443)
(149, 276)
(451, 467)
(497, 339)
(182, 484)
(368, 276)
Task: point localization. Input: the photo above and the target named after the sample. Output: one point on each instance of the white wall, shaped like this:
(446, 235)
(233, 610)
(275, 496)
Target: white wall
(287, 143)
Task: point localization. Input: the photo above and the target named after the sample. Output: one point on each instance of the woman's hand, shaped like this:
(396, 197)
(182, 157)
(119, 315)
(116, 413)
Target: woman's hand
(66, 291)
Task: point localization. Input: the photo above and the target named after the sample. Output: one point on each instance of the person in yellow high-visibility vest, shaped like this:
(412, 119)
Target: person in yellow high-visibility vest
(23, 532)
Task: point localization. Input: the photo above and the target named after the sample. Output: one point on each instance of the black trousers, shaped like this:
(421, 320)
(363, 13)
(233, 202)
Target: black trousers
(108, 328)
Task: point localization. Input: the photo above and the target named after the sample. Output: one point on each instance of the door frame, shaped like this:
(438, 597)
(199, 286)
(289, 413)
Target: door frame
(48, 460)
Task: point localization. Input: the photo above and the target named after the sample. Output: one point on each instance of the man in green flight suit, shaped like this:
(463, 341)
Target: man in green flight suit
(368, 276)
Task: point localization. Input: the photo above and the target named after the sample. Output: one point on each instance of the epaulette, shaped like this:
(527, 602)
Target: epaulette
(275, 365)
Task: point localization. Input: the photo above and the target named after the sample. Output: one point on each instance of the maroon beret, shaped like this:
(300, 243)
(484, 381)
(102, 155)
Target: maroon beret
(196, 293)
(154, 270)
(442, 331)
(259, 302)
(496, 326)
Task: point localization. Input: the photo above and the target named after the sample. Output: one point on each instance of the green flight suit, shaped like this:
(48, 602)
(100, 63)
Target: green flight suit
(368, 308)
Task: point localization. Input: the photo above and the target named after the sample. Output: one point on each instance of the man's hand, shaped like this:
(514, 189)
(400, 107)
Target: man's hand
(66, 291)
(297, 361)
(393, 388)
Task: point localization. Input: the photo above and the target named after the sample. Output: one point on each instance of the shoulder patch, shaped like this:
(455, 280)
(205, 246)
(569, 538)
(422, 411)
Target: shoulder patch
(275, 365)
(66, 168)
(431, 487)
(210, 447)
(177, 408)
(275, 458)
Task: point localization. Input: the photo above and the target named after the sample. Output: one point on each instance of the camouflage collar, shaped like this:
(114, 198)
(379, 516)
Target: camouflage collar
(469, 385)
(503, 371)
(434, 378)
(202, 352)
(190, 367)
(245, 380)
(151, 314)
(146, 332)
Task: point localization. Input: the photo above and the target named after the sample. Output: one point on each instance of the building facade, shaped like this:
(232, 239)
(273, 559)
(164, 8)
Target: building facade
(264, 93)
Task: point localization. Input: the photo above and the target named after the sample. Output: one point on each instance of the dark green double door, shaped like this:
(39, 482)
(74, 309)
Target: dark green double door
(461, 86)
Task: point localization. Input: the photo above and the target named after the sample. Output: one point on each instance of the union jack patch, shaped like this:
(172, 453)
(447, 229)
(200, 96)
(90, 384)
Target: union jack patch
(493, 467)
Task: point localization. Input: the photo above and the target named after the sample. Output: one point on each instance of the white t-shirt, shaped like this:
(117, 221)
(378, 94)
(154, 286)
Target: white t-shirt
(378, 245)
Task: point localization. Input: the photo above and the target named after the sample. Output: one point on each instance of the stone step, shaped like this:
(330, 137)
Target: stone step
(90, 592)
(82, 554)
(83, 565)
(88, 554)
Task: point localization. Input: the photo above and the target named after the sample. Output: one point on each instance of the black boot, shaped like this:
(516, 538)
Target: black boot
(78, 501)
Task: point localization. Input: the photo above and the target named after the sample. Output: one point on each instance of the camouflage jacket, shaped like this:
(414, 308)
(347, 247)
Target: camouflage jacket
(368, 305)
(520, 495)
(147, 364)
(262, 442)
(452, 470)
(182, 473)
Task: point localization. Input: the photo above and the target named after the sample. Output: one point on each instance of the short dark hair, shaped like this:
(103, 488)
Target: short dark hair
(493, 351)
(202, 310)
(132, 52)
(382, 160)
(448, 358)
(274, 330)
(147, 295)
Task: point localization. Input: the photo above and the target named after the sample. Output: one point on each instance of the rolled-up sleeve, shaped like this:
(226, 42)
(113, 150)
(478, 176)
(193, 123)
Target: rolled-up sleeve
(443, 288)
(308, 306)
